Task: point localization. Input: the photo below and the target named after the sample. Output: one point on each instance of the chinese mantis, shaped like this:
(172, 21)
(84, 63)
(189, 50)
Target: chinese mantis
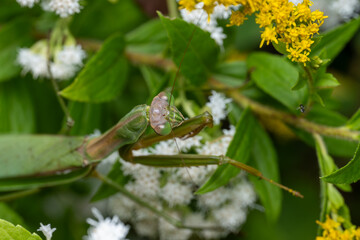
(60, 159)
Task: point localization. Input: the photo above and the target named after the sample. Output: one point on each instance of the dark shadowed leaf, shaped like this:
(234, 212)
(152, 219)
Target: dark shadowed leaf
(105, 191)
(264, 159)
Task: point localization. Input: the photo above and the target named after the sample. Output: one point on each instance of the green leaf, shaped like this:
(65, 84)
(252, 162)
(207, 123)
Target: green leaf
(17, 113)
(13, 36)
(348, 174)
(354, 121)
(318, 99)
(100, 19)
(149, 38)
(105, 191)
(104, 76)
(9, 214)
(233, 73)
(23, 155)
(10, 232)
(239, 150)
(276, 76)
(264, 159)
(333, 41)
(280, 47)
(200, 57)
(335, 197)
(325, 80)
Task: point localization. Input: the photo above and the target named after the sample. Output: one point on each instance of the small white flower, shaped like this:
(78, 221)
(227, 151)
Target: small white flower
(230, 216)
(64, 8)
(200, 18)
(32, 62)
(46, 230)
(71, 55)
(217, 104)
(176, 193)
(27, 3)
(106, 229)
(61, 71)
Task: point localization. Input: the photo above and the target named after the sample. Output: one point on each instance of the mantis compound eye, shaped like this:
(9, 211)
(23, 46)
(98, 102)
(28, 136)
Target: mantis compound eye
(162, 116)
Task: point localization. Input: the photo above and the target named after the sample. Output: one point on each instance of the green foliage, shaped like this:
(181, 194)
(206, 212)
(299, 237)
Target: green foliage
(16, 108)
(264, 158)
(8, 214)
(283, 77)
(104, 76)
(13, 35)
(10, 232)
(201, 53)
(347, 174)
(334, 41)
(149, 38)
(239, 150)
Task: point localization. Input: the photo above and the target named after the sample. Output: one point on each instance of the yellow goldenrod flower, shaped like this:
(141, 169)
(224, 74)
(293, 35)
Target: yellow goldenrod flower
(294, 25)
(332, 230)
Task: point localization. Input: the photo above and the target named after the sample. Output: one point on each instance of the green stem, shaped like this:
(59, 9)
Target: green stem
(19, 194)
(145, 204)
(172, 8)
(265, 111)
(323, 184)
(69, 120)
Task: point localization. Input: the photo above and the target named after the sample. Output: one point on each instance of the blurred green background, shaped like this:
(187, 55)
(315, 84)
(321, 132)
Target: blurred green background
(66, 207)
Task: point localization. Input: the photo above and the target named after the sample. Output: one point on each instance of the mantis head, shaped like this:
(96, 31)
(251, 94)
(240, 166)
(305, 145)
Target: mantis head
(163, 115)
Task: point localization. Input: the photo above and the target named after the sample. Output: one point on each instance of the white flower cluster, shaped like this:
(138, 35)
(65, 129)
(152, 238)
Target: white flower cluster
(217, 105)
(106, 229)
(171, 190)
(63, 8)
(338, 11)
(27, 3)
(200, 18)
(66, 63)
(47, 231)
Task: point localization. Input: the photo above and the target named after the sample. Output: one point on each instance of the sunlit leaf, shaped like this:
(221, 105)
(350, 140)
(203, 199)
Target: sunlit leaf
(10, 232)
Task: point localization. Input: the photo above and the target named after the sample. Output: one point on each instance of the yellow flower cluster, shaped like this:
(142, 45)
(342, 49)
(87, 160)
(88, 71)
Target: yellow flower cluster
(293, 25)
(332, 230)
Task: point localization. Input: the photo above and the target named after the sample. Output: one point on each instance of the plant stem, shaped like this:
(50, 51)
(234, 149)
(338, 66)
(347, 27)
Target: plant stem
(172, 8)
(341, 132)
(18, 194)
(69, 120)
(145, 204)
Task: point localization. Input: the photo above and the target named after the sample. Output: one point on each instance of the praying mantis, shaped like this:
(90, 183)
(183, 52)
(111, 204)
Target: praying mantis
(62, 159)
